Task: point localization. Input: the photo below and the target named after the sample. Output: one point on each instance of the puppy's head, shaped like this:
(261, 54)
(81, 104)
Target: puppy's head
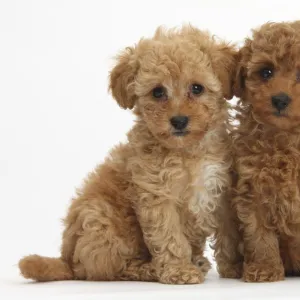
(268, 76)
(177, 82)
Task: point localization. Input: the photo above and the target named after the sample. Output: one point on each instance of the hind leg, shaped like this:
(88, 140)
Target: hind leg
(97, 258)
(106, 262)
(105, 245)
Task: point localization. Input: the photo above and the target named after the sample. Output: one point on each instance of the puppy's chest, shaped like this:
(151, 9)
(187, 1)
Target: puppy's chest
(201, 186)
(210, 182)
(274, 176)
(277, 169)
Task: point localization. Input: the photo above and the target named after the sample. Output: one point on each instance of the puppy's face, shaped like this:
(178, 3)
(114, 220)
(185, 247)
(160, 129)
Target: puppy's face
(269, 74)
(179, 96)
(177, 89)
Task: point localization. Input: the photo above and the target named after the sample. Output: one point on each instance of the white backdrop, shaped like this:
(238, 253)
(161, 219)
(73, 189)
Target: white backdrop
(57, 120)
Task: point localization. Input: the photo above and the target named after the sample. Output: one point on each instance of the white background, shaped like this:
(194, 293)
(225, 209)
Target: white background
(57, 122)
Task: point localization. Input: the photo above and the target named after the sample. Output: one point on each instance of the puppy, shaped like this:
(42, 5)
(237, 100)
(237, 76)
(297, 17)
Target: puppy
(266, 147)
(146, 212)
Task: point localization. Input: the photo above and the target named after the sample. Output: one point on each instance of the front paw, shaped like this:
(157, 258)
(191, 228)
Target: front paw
(228, 270)
(180, 274)
(202, 263)
(260, 272)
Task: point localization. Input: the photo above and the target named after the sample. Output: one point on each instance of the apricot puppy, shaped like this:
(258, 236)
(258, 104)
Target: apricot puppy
(267, 155)
(146, 212)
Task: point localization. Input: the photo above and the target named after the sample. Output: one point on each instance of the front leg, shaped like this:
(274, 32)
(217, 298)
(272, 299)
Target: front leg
(290, 254)
(227, 241)
(196, 238)
(171, 253)
(199, 259)
(261, 250)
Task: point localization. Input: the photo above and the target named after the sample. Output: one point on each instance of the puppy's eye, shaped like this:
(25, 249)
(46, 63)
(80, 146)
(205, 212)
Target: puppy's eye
(159, 92)
(266, 73)
(196, 89)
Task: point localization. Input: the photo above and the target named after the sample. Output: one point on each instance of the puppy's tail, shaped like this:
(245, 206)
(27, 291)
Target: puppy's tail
(41, 268)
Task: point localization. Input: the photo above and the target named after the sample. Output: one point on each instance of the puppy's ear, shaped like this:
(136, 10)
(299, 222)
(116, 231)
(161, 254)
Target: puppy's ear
(122, 79)
(239, 81)
(241, 70)
(224, 61)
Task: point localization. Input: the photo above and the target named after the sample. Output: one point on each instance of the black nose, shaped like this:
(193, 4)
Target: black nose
(179, 122)
(281, 101)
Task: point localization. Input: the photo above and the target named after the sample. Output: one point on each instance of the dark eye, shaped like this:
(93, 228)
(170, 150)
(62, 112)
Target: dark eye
(266, 73)
(196, 89)
(158, 92)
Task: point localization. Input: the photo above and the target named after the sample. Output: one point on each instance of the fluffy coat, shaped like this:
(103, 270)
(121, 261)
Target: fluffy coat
(145, 213)
(265, 231)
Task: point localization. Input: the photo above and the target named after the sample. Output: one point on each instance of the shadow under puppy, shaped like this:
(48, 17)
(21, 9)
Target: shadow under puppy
(146, 212)
(266, 147)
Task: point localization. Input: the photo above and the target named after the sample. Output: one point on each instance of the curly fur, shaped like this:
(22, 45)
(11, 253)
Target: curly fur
(145, 213)
(266, 160)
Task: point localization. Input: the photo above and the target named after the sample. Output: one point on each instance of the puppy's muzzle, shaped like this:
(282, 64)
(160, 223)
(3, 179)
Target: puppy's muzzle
(281, 101)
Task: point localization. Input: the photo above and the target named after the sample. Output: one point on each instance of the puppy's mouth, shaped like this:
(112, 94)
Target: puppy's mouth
(180, 132)
(280, 114)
